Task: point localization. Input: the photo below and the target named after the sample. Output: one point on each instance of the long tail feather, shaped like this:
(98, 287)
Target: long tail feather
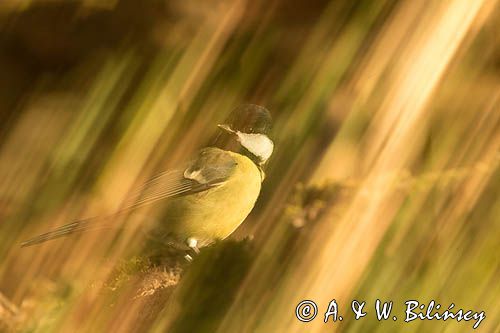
(70, 228)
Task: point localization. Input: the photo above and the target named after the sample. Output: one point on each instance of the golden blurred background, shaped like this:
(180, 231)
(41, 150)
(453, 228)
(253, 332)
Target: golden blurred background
(384, 183)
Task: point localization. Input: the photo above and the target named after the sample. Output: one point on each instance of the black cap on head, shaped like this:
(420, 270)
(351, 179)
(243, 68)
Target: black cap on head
(250, 118)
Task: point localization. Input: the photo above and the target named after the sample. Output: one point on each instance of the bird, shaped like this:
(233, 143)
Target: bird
(206, 199)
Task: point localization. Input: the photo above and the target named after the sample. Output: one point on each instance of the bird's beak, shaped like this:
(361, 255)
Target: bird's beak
(226, 128)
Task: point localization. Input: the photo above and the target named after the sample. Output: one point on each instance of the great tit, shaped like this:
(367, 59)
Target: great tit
(208, 199)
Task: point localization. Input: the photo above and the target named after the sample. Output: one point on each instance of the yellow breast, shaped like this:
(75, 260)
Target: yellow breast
(215, 213)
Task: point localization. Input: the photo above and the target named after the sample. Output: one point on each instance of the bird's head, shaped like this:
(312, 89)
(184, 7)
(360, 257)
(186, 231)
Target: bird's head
(249, 124)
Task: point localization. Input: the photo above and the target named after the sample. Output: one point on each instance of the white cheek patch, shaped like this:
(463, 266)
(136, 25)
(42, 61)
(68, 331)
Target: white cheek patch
(258, 144)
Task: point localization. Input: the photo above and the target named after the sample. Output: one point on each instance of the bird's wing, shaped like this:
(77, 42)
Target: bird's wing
(211, 168)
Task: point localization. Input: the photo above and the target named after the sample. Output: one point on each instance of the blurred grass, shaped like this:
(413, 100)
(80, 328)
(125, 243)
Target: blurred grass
(384, 183)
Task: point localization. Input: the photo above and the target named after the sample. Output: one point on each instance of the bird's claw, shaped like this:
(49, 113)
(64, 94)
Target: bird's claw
(192, 243)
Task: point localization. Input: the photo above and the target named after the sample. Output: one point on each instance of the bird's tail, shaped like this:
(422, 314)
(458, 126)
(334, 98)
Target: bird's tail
(79, 226)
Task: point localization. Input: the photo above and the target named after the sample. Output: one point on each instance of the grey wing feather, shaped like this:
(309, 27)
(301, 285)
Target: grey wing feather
(173, 185)
(211, 168)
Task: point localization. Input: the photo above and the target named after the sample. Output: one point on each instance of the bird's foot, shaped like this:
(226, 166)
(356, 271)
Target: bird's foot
(192, 243)
(193, 251)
